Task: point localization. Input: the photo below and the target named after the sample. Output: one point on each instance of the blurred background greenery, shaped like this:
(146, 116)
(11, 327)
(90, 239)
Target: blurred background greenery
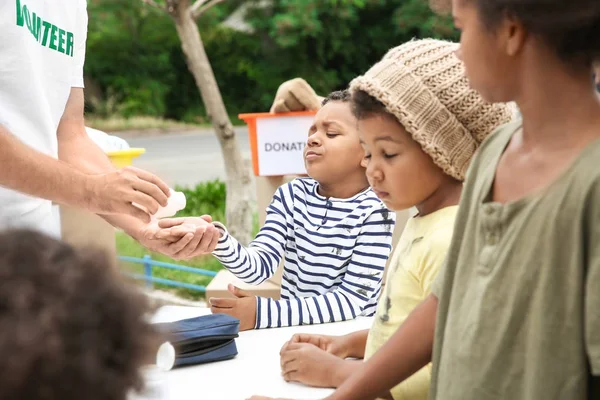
(135, 66)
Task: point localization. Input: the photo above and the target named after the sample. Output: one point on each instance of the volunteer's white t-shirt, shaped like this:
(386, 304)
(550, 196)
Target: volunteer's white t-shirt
(42, 52)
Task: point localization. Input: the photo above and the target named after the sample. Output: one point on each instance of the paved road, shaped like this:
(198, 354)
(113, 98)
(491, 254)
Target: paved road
(186, 158)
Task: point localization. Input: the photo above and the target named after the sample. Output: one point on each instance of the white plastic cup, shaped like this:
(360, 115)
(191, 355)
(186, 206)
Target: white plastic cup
(175, 203)
(155, 382)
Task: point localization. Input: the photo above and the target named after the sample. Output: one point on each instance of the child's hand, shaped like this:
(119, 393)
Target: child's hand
(243, 307)
(334, 345)
(206, 235)
(308, 364)
(172, 247)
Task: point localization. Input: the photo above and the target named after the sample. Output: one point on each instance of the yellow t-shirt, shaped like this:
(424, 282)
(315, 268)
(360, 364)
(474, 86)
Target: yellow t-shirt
(415, 263)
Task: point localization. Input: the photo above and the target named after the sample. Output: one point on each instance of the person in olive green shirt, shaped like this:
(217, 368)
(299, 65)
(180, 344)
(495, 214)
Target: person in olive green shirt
(515, 313)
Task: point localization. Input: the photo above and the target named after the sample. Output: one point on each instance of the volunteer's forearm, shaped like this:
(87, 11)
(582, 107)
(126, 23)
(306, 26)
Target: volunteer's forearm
(29, 171)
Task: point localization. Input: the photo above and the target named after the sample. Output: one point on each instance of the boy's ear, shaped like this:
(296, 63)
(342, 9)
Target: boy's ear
(364, 162)
(514, 35)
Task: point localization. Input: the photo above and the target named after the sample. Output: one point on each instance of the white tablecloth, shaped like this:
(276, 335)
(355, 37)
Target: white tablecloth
(255, 370)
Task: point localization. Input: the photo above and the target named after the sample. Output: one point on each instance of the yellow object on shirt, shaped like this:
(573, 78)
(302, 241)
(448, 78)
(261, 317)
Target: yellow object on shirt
(416, 261)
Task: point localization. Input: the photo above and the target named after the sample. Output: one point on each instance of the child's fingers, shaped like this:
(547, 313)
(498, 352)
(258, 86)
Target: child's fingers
(167, 234)
(170, 222)
(302, 338)
(237, 292)
(291, 376)
(185, 228)
(283, 348)
(285, 357)
(289, 367)
(214, 242)
(294, 346)
(222, 303)
(187, 252)
(204, 247)
(175, 233)
(176, 247)
(291, 355)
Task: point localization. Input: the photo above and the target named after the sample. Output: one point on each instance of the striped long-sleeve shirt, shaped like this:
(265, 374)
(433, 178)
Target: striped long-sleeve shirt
(334, 250)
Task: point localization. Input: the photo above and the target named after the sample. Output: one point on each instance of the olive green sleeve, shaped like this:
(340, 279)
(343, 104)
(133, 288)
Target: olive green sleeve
(592, 284)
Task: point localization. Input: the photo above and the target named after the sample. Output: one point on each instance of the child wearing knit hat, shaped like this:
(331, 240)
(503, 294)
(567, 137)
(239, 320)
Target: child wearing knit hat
(420, 124)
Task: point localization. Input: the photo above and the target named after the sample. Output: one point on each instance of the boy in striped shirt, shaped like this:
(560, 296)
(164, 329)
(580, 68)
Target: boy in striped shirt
(331, 230)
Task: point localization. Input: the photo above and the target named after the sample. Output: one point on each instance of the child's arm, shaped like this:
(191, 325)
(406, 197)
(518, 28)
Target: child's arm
(257, 262)
(356, 343)
(408, 350)
(359, 285)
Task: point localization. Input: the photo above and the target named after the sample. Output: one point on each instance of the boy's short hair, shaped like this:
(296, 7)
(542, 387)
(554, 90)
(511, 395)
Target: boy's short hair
(571, 28)
(339, 95)
(422, 84)
(71, 327)
(364, 105)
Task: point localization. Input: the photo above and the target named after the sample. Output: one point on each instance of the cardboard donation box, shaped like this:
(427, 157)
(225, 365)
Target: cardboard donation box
(277, 142)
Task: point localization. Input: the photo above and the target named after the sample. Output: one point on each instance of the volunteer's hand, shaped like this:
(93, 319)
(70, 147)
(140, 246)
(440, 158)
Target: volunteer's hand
(311, 365)
(295, 95)
(335, 345)
(115, 192)
(243, 307)
(206, 235)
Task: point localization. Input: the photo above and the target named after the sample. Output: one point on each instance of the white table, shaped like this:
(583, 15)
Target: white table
(255, 370)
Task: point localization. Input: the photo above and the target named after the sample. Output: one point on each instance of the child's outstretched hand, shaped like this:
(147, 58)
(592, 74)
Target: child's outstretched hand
(243, 307)
(206, 235)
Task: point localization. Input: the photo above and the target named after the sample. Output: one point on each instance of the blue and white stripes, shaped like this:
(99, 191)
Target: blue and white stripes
(334, 250)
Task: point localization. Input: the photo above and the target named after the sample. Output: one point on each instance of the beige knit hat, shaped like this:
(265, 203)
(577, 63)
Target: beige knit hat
(423, 84)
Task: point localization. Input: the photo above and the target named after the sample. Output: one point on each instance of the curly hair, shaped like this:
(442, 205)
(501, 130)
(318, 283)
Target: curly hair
(70, 326)
(339, 95)
(570, 27)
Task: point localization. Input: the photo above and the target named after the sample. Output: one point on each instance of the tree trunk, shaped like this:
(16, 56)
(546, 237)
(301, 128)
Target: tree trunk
(238, 206)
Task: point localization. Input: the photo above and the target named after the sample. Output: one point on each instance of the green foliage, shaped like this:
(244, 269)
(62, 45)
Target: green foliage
(206, 198)
(128, 55)
(134, 53)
